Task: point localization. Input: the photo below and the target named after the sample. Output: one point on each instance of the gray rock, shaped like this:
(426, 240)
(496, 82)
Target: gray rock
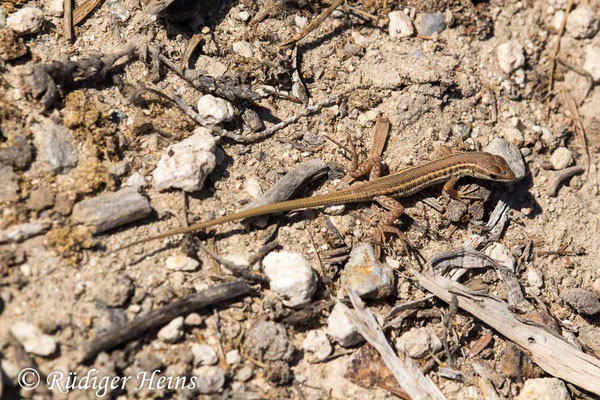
(461, 130)
(544, 389)
(582, 22)
(171, 332)
(244, 374)
(233, 357)
(209, 379)
(55, 145)
(214, 110)
(511, 56)
(17, 152)
(9, 182)
(582, 300)
(110, 210)
(113, 290)
(193, 319)
(366, 275)
(340, 328)
(317, 342)
(243, 48)
(432, 23)
(26, 21)
(291, 277)
(561, 158)
(418, 342)
(20, 232)
(510, 153)
(204, 355)
(32, 339)
(400, 25)
(269, 341)
(181, 262)
(535, 278)
(592, 61)
(185, 165)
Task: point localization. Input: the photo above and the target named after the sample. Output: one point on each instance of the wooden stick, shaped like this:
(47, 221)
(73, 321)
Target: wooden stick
(550, 351)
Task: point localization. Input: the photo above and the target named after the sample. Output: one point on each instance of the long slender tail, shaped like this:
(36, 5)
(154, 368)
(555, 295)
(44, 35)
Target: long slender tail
(339, 197)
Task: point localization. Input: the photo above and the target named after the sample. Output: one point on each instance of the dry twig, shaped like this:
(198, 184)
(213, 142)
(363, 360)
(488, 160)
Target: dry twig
(576, 117)
(554, 54)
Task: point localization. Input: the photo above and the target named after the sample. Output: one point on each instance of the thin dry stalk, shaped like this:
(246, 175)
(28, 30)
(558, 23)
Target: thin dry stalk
(553, 56)
(68, 19)
(576, 117)
(312, 25)
(83, 10)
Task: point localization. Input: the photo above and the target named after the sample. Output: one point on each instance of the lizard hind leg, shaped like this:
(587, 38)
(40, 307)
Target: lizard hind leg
(386, 225)
(371, 166)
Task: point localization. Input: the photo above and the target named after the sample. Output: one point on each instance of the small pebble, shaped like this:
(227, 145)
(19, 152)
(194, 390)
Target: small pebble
(317, 342)
(511, 56)
(193, 319)
(584, 301)
(32, 339)
(56, 145)
(582, 22)
(561, 158)
(502, 255)
(26, 21)
(514, 135)
(340, 328)
(366, 275)
(269, 341)
(291, 277)
(544, 389)
(136, 181)
(209, 379)
(233, 357)
(535, 278)
(181, 262)
(243, 48)
(592, 61)
(113, 290)
(214, 110)
(185, 165)
(300, 21)
(204, 355)
(56, 8)
(418, 342)
(244, 374)
(253, 188)
(244, 16)
(510, 153)
(2, 18)
(171, 332)
(432, 23)
(400, 25)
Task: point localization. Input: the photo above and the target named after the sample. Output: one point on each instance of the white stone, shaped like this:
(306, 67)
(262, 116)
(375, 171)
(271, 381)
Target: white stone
(557, 19)
(300, 21)
(244, 374)
(26, 21)
(317, 342)
(400, 25)
(535, 278)
(511, 56)
(185, 165)
(592, 61)
(244, 16)
(204, 355)
(181, 262)
(171, 332)
(56, 8)
(502, 255)
(544, 389)
(291, 277)
(136, 181)
(33, 339)
(193, 319)
(243, 48)
(561, 158)
(253, 187)
(418, 342)
(233, 357)
(340, 328)
(514, 135)
(582, 22)
(214, 110)
(209, 379)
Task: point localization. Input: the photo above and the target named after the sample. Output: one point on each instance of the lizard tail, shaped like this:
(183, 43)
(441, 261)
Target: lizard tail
(340, 197)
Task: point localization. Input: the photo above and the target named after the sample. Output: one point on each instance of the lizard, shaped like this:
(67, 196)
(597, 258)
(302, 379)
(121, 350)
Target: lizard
(384, 190)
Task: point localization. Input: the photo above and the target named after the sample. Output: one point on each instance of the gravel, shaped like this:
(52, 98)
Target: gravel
(561, 158)
(418, 342)
(55, 146)
(544, 389)
(366, 275)
(291, 277)
(340, 328)
(181, 262)
(400, 25)
(584, 301)
(32, 339)
(432, 23)
(171, 332)
(510, 153)
(317, 342)
(592, 61)
(214, 110)
(511, 56)
(26, 21)
(204, 355)
(582, 22)
(268, 340)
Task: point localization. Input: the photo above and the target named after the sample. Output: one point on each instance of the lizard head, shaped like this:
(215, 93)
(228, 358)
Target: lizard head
(495, 168)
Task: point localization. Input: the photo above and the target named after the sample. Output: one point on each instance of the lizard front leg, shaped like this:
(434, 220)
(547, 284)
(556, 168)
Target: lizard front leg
(386, 224)
(458, 195)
